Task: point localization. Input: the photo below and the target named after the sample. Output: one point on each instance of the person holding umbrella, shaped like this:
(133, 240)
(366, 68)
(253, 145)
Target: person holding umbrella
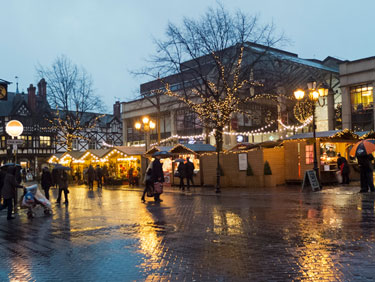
(181, 173)
(363, 151)
(46, 181)
(157, 172)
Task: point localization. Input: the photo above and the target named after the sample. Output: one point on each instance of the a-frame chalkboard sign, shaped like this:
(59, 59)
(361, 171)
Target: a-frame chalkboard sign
(311, 180)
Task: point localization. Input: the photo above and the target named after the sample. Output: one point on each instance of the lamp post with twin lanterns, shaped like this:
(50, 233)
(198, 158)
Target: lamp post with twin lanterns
(314, 93)
(146, 126)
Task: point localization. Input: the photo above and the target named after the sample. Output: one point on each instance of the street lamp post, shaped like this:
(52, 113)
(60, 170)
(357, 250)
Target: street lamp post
(314, 94)
(146, 126)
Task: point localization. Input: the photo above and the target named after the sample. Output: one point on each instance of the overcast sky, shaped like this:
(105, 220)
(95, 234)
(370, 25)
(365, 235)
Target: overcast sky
(111, 37)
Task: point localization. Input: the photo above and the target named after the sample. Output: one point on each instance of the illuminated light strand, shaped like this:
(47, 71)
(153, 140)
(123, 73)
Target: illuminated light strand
(293, 127)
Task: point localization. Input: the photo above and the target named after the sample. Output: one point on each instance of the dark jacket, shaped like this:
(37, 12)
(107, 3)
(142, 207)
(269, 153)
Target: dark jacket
(157, 171)
(55, 176)
(46, 180)
(91, 173)
(63, 180)
(365, 162)
(342, 162)
(98, 172)
(189, 168)
(181, 170)
(9, 187)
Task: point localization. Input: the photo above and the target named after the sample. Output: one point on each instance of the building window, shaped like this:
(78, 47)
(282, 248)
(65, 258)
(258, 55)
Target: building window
(75, 144)
(3, 145)
(92, 144)
(309, 154)
(361, 98)
(45, 141)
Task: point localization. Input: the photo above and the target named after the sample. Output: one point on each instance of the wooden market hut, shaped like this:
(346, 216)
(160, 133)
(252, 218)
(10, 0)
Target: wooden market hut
(54, 159)
(193, 151)
(299, 154)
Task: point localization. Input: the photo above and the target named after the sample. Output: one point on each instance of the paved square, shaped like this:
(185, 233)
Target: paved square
(241, 235)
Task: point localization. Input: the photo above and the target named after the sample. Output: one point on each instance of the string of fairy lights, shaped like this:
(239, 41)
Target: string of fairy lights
(256, 132)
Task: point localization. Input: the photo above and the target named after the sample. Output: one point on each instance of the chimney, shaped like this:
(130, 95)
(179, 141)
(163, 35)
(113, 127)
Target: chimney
(117, 110)
(42, 89)
(31, 99)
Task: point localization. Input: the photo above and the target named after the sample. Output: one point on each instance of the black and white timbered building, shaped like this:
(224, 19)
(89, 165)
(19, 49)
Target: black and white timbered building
(33, 111)
(106, 132)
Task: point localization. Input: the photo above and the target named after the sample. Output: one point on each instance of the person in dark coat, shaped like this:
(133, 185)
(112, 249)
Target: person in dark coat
(2, 177)
(91, 176)
(343, 166)
(9, 191)
(130, 176)
(147, 181)
(157, 175)
(181, 175)
(55, 177)
(99, 176)
(366, 170)
(63, 186)
(189, 172)
(46, 181)
(105, 174)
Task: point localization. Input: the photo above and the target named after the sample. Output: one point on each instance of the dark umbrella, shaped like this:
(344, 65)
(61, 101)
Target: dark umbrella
(179, 160)
(61, 167)
(11, 164)
(162, 154)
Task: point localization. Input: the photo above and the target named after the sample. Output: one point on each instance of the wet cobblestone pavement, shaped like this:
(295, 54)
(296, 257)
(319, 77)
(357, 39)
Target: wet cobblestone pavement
(275, 234)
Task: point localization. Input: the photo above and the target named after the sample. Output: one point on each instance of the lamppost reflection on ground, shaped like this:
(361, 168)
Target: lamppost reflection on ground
(314, 94)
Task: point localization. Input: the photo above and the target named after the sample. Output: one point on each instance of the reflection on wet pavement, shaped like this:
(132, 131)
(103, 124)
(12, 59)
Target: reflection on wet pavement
(260, 235)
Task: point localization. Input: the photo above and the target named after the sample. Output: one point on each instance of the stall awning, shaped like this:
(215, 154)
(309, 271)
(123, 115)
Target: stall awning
(131, 151)
(248, 146)
(155, 149)
(100, 153)
(331, 135)
(73, 154)
(55, 158)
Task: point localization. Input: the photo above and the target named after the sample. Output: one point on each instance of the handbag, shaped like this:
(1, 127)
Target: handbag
(150, 191)
(158, 187)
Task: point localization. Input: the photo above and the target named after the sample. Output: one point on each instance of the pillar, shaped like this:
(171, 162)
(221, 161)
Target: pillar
(346, 108)
(331, 109)
(173, 123)
(124, 132)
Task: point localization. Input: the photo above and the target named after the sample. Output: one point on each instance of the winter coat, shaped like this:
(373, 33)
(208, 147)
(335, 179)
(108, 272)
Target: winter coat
(157, 171)
(91, 173)
(46, 180)
(189, 169)
(99, 173)
(9, 187)
(181, 170)
(365, 162)
(343, 165)
(63, 180)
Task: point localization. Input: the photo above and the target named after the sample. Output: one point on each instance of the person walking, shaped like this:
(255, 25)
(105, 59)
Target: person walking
(91, 176)
(99, 176)
(181, 175)
(189, 172)
(157, 176)
(63, 186)
(366, 170)
(9, 191)
(343, 166)
(147, 181)
(55, 177)
(130, 176)
(105, 174)
(46, 181)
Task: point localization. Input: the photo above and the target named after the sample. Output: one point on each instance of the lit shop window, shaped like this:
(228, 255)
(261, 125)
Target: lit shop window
(361, 98)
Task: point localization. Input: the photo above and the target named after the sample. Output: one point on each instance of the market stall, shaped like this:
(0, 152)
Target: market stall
(299, 154)
(73, 160)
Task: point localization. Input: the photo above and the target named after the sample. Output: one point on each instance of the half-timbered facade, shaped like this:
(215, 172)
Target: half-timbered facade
(106, 132)
(33, 111)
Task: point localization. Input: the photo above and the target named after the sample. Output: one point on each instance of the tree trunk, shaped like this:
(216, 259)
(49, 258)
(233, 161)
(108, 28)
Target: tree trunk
(219, 139)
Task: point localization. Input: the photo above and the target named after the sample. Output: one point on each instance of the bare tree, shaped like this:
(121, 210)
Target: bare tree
(205, 59)
(71, 93)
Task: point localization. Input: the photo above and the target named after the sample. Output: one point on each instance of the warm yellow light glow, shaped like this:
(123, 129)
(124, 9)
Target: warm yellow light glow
(314, 95)
(323, 92)
(145, 120)
(138, 125)
(299, 93)
(152, 124)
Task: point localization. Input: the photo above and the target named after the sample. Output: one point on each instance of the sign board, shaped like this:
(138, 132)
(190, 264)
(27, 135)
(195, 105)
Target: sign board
(242, 161)
(311, 180)
(15, 142)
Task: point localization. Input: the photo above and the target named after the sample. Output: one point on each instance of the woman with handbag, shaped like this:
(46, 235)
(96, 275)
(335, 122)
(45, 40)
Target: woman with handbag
(148, 183)
(157, 178)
